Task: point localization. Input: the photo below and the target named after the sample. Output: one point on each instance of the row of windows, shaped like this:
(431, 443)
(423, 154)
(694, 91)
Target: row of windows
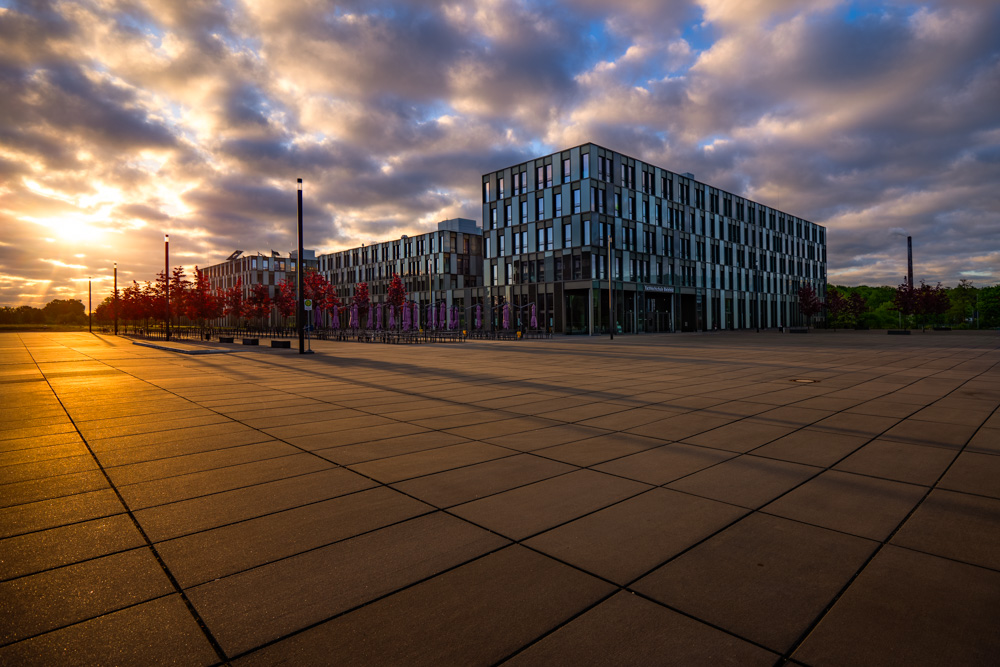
(585, 265)
(718, 202)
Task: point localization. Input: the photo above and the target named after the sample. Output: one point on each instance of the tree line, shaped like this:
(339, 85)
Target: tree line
(964, 306)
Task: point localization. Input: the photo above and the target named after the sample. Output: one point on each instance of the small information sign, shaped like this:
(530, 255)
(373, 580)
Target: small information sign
(308, 304)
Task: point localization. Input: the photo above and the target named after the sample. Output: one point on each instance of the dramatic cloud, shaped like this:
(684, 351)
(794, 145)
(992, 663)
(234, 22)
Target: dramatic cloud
(127, 119)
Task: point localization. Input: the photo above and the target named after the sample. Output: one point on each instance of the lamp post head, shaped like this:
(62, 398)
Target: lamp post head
(166, 238)
(298, 184)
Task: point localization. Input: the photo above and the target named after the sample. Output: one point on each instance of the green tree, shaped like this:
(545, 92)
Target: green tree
(65, 311)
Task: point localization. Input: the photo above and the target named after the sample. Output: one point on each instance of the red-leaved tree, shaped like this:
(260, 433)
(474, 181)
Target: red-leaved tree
(201, 304)
(809, 303)
(258, 304)
(284, 299)
(236, 301)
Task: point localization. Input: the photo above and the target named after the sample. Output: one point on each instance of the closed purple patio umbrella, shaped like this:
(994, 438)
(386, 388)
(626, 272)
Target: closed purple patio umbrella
(506, 316)
(354, 323)
(454, 317)
(335, 322)
(430, 317)
(479, 316)
(416, 316)
(443, 316)
(406, 316)
(392, 317)
(378, 316)
(534, 318)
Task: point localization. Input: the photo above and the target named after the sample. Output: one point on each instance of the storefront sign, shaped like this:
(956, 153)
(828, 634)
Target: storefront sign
(659, 288)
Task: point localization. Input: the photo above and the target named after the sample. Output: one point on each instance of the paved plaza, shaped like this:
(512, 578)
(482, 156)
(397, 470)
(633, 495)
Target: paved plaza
(730, 498)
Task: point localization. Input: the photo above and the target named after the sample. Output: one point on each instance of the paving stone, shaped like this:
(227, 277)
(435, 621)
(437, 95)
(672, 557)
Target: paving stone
(20, 493)
(198, 514)
(986, 440)
(902, 462)
(747, 481)
(55, 598)
(908, 608)
(461, 485)
(180, 465)
(35, 442)
(45, 514)
(23, 456)
(792, 416)
(200, 557)
(664, 464)
(263, 604)
(630, 630)
(598, 449)
(850, 503)
(519, 596)
(530, 441)
(46, 549)
(681, 427)
(937, 434)
(429, 461)
(354, 436)
(741, 436)
(159, 632)
(973, 472)
(36, 470)
(847, 423)
(192, 485)
(530, 509)
(765, 578)
(381, 449)
(812, 447)
(625, 540)
(955, 525)
(128, 455)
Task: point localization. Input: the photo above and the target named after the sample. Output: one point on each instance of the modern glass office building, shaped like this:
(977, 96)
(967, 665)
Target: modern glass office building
(445, 265)
(681, 255)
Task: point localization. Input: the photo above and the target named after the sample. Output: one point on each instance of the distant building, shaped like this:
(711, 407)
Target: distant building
(684, 256)
(269, 269)
(443, 265)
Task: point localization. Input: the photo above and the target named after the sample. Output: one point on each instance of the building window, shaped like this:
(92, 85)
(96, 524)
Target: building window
(567, 235)
(539, 208)
(548, 175)
(508, 218)
(517, 184)
(585, 165)
(486, 192)
(493, 218)
(558, 206)
(486, 247)
(500, 193)
(618, 204)
(539, 178)
(576, 200)
(586, 232)
(500, 245)
(524, 210)
(566, 170)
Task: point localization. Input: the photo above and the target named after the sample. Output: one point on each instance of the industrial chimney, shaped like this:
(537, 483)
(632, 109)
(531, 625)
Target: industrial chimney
(909, 262)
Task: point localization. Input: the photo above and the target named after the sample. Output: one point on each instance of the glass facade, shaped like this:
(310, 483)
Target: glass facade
(680, 255)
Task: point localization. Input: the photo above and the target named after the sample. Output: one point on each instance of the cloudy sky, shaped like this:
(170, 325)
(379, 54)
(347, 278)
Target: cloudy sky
(124, 119)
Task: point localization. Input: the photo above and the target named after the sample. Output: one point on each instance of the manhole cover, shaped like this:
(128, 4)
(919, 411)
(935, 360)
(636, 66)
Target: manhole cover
(804, 381)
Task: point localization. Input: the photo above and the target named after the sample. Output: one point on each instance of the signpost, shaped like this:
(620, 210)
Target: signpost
(307, 305)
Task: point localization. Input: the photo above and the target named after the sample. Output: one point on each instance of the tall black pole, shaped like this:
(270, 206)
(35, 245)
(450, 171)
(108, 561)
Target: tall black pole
(90, 304)
(611, 294)
(166, 277)
(300, 315)
(116, 298)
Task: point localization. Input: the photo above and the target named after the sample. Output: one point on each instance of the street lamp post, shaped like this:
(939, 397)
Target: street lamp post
(90, 304)
(166, 277)
(116, 298)
(299, 270)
